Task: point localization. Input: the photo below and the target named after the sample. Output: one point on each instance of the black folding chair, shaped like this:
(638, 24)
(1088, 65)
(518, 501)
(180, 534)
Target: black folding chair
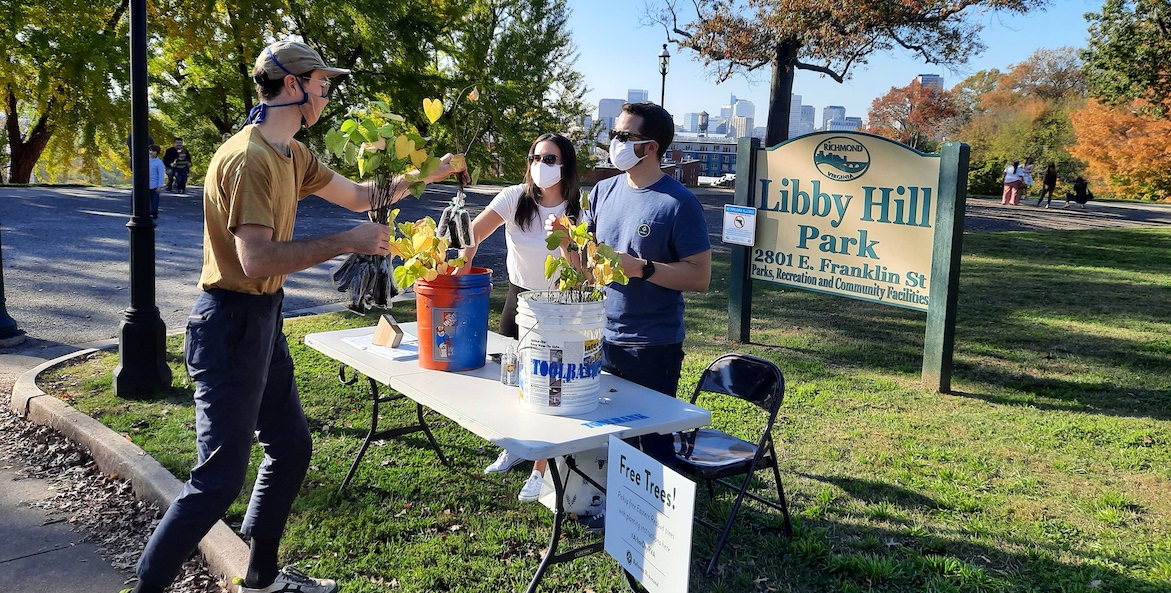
(714, 455)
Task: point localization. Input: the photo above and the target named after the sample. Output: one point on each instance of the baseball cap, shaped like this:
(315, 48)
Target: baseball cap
(296, 57)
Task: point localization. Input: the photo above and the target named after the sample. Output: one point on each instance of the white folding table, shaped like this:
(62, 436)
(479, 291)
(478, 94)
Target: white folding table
(477, 401)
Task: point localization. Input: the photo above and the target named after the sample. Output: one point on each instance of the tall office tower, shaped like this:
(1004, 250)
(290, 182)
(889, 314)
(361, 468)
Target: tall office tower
(739, 126)
(637, 96)
(935, 80)
(726, 111)
(608, 110)
(744, 108)
(830, 113)
(691, 123)
(808, 119)
(794, 116)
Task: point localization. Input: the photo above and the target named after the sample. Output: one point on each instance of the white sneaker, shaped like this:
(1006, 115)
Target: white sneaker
(291, 580)
(503, 463)
(532, 488)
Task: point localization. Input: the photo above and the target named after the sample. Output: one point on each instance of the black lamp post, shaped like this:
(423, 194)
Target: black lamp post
(664, 66)
(142, 366)
(10, 333)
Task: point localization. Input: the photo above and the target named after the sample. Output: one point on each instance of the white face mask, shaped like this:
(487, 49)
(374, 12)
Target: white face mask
(545, 176)
(622, 154)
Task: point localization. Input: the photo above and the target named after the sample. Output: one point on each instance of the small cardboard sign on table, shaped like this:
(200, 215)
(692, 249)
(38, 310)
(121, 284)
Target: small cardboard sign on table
(649, 512)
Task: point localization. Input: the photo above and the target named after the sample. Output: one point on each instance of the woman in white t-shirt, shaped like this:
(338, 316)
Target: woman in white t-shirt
(1012, 185)
(551, 186)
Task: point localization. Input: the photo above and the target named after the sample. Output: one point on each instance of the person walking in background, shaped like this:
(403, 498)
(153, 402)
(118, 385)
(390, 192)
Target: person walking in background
(236, 351)
(1080, 194)
(1048, 184)
(169, 159)
(182, 168)
(158, 172)
(1026, 177)
(1012, 185)
(551, 188)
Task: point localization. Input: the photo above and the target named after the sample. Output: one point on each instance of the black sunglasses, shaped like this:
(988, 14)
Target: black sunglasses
(548, 159)
(625, 136)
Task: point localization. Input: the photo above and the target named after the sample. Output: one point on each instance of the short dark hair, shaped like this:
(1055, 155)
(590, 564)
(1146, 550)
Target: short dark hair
(269, 89)
(179, 138)
(152, 148)
(656, 123)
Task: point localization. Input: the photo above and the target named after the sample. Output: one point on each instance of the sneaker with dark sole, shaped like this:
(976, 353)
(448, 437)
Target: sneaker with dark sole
(595, 523)
(291, 580)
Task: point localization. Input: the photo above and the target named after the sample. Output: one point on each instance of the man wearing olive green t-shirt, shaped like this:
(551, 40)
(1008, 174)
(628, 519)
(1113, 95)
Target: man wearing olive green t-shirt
(235, 348)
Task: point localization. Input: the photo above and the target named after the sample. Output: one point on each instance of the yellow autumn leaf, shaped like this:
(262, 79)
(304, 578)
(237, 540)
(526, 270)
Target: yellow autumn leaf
(374, 146)
(458, 162)
(419, 157)
(430, 275)
(403, 147)
(474, 95)
(433, 108)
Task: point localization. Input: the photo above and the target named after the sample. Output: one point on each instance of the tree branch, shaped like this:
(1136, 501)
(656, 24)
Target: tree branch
(821, 69)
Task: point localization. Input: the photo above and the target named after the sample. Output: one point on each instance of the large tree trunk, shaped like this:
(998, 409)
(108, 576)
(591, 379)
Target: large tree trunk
(781, 93)
(26, 153)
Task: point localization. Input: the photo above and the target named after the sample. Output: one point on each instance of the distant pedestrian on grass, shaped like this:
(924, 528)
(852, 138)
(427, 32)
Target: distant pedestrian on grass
(1048, 184)
(236, 351)
(158, 172)
(1080, 194)
(1012, 185)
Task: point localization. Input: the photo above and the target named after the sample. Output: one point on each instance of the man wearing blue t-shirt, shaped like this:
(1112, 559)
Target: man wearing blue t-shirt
(659, 229)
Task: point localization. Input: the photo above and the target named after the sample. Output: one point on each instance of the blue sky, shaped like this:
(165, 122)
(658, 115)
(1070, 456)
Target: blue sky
(615, 53)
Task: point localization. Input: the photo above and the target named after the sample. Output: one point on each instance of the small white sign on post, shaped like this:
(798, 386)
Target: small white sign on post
(740, 225)
(649, 510)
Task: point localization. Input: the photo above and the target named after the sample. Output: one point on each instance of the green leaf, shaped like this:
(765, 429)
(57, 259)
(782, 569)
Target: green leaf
(417, 139)
(553, 241)
(550, 265)
(381, 105)
(417, 188)
(401, 275)
(351, 152)
(476, 175)
(386, 131)
(349, 126)
(429, 166)
(362, 166)
(373, 162)
(369, 130)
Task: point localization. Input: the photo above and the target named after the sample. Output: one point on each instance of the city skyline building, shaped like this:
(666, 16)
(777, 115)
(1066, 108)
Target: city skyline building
(830, 113)
(637, 96)
(927, 80)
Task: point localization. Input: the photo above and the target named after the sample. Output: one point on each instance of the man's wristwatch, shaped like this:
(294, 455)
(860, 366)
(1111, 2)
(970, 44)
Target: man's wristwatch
(648, 269)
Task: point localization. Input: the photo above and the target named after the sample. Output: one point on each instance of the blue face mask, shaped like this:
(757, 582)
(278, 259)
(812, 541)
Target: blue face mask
(257, 114)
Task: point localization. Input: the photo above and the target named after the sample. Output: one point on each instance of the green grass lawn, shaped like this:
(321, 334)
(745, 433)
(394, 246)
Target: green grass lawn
(1048, 469)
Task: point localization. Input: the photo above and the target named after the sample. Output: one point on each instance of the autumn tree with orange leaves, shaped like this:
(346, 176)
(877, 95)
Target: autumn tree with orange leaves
(830, 38)
(1126, 148)
(914, 115)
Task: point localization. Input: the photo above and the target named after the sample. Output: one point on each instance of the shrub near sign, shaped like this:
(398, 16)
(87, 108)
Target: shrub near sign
(847, 214)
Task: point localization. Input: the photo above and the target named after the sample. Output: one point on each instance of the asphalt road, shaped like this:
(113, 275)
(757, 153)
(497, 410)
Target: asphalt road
(66, 249)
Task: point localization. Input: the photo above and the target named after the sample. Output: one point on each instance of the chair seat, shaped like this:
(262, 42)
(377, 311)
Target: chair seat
(714, 452)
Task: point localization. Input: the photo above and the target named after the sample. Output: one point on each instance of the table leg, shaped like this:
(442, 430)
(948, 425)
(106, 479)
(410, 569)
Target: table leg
(559, 515)
(374, 434)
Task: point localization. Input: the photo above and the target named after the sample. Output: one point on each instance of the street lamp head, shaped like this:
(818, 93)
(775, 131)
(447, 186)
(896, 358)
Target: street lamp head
(664, 60)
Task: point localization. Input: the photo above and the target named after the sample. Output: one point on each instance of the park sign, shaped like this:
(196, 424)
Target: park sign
(847, 214)
(859, 216)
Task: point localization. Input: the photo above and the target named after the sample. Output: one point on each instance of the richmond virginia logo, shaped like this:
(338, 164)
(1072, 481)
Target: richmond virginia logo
(841, 159)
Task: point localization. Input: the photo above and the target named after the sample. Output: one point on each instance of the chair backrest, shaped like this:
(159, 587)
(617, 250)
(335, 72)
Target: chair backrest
(746, 377)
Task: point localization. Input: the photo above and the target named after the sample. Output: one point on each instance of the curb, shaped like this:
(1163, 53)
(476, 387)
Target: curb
(226, 553)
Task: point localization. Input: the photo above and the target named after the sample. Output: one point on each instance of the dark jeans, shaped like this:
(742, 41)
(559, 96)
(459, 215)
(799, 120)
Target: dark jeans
(654, 367)
(508, 327)
(154, 202)
(1046, 195)
(244, 387)
(170, 178)
(180, 180)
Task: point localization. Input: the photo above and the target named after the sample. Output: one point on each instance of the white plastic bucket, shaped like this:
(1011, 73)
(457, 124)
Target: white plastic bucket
(560, 353)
